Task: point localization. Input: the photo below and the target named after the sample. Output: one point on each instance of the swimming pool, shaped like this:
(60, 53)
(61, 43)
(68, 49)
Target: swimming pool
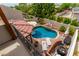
(43, 32)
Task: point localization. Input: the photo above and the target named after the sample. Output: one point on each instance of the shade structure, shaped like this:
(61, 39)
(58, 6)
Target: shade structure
(22, 26)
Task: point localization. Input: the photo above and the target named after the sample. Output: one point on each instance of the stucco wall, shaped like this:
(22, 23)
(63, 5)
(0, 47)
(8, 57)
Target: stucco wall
(4, 34)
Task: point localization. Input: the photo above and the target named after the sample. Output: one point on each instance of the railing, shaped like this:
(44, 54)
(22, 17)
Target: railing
(28, 45)
(73, 43)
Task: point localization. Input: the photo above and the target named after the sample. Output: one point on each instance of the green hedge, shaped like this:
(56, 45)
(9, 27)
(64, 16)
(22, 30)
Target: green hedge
(53, 17)
(75, 23)
(78, 37)
(60, 19)
(71, 30)
(67, 20)
(62, 29)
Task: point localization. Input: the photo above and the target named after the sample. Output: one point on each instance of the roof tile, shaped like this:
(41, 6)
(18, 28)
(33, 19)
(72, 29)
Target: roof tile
(23, 27)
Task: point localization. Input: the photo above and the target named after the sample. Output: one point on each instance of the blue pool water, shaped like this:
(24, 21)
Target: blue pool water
(43, 32)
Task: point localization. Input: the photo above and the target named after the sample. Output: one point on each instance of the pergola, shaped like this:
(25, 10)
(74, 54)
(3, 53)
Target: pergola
(8, 27)
(22, 26)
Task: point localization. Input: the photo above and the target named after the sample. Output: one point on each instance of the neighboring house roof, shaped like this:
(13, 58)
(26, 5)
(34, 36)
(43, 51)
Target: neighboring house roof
(11, 13)
(75, 10)
(66, 14)
(58, 4)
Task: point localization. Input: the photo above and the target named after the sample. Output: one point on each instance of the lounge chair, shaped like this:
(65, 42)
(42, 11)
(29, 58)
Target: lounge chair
(32, 23)
(48, 42)
(44, 45)
(44, 48)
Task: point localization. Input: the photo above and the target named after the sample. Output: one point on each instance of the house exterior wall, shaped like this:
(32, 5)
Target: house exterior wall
(4, 34)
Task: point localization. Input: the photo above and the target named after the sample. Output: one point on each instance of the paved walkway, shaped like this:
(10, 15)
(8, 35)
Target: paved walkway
(76, 51)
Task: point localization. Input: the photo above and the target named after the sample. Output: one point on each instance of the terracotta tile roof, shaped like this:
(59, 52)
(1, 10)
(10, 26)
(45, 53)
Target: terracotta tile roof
(22, 26)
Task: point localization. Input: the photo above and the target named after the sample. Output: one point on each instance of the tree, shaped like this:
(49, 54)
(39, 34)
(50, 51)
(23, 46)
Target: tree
(71, 30)
(74, 5)
(43, 10)
(65, 6)
(67, 20)
(75, 23)
(62, 29)
(60, 19)
(52, 17)
(22, 7)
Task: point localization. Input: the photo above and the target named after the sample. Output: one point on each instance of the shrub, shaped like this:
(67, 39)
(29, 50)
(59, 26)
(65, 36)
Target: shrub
(60, 19)
(78, 37)
(67, 20)
(75, 23)
(71, 30)
(52, 17)
(62, 29)
(41, 21)
(29, 16)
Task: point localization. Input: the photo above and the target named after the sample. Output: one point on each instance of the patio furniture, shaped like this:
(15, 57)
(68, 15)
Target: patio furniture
(44, 45)
(62, 51)
(56, 54)
(32, 23)
(44, 48)
(48, 42)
